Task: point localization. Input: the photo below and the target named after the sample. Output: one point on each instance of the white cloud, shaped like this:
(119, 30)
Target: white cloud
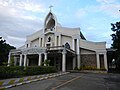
(19, 18)
(15, 41)
(91, 28)
(112, 9)
(106, 1)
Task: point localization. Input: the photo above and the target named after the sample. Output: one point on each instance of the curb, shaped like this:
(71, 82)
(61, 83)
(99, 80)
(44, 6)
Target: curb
(25, 80)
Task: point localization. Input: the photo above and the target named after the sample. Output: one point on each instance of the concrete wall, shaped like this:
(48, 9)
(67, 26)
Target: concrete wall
(35, 43)
(85, 51)
(35, 35)
(68, 31)
(66, 39)
(95, 46)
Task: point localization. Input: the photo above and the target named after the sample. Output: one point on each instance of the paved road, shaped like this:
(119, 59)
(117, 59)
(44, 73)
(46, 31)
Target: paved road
(75, 81)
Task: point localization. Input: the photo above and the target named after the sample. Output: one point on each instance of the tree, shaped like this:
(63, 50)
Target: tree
(4, 51)
(116, 41)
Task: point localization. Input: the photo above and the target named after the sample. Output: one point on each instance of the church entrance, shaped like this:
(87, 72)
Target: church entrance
(56, 56)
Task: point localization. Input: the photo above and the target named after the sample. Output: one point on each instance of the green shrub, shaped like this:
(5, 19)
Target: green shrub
(76, 68)
(35, 70)
(90, 68)
(10, 72)
(17, 71)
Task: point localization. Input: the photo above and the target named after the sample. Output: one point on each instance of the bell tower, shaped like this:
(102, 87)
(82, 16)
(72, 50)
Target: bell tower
(50, 22)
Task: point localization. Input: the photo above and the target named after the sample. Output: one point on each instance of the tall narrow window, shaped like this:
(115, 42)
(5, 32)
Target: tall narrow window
(57, 40)
(27, 46)
(41, 42)
(76, 45)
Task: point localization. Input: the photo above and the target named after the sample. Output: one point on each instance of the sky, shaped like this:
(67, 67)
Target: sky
(19, 18)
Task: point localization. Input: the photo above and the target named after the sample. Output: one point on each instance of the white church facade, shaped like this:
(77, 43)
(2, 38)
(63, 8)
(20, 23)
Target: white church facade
(66, 48)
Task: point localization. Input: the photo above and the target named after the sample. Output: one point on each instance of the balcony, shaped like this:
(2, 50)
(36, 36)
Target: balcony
(47, 31)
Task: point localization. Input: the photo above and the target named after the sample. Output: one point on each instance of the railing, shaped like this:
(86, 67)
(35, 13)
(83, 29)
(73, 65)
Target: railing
(60, 48)
(49, 30)
(55, 47)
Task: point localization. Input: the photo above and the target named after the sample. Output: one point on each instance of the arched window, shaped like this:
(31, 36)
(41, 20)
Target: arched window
(67, 45)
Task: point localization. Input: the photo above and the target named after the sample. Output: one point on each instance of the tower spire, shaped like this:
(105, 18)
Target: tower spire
(50, 7)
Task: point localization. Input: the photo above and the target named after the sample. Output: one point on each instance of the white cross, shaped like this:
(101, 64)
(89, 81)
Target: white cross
(50, 7)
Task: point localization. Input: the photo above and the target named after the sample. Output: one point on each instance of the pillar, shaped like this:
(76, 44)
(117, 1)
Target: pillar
(9, 58)
(20, 64)
(60, 40)
(55, 40)
(74, 62)
(40, 60)
(64, 61)
(43, 42)
(73, 44)
(78, 46)
(98, 61)
(45, 58)
(105, 61)
(78, 61)
(78, 53)
(39, 42)
(25, 60)
(15, 60)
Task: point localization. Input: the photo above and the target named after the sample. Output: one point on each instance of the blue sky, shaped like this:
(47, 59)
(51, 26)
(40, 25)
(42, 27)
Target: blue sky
(19, 18)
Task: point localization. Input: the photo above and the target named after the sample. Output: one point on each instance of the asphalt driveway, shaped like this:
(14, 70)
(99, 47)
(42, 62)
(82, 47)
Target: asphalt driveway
(75, 81)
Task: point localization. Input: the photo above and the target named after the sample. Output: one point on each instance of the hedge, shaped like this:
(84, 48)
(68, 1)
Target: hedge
(19, 71)
(7, 72)
(91, 68)
(35, 70)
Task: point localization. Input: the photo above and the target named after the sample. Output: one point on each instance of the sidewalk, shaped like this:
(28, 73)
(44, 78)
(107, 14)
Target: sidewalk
(7, 83)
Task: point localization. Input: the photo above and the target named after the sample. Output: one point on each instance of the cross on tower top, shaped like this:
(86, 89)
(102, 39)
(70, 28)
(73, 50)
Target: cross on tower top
(50, 7)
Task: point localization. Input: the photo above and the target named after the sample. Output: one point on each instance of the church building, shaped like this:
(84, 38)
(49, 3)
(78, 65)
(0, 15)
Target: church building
(66, 48)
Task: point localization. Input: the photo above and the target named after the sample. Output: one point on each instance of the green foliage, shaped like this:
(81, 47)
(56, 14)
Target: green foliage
(4, 51)
(18, 71)
(116, 42)
(35, 70)
(90, 68)
(75, 68)
(10, 72)
(47, 62)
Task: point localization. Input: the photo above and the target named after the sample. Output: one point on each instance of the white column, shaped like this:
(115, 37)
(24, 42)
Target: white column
(98, 61)
(15, 60)
(78, 46)
(78, 61)
(43, 42)
(29, 44)
(78, 53)
(25, 59)
(45, 58)
(60, 40)
(9, 58)
(27, 62)
(64, 61)
(105, 61)
(39, 42)
(40, 60)
(74, 62)
(55, 40)
(20, 64)
(73, 44)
